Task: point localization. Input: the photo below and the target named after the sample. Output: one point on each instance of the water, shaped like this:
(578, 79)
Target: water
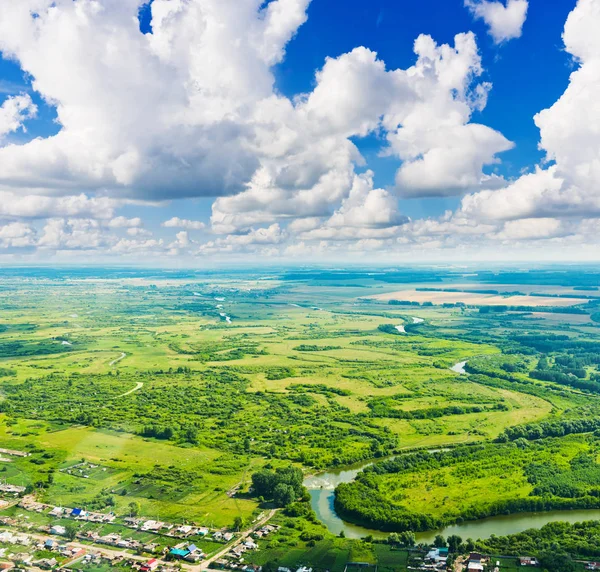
(509, 524)
(459, 367)
(321, 488)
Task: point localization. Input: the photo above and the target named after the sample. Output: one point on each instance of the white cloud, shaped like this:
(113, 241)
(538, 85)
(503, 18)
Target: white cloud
(14, 112)
(137, 231)
(255, 239)
(155, 115)
(531, 229)
(72, 234)
(569, 136)
(504, 18)
(14, 204)
(17, 235)
(124, 222)
(177, 222)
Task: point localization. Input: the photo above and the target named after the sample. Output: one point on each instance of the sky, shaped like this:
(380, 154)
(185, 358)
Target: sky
(184, 132)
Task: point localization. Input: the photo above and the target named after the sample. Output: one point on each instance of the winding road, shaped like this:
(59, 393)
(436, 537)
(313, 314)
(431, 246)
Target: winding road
(205, 564)
(138, 385)
(113, 362)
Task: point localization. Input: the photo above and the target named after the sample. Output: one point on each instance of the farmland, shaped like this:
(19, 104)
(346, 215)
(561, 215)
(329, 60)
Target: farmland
(178, 386)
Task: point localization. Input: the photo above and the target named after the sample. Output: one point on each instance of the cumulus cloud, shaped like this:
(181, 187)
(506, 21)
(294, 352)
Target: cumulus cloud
(151, 115)
(255, 240)
(124, 222)
(568, 187)
(13, 204)
(177, 222)
(504, 19)
(308, 158)
(14, 112)
(17, 235)
(531, 229)
(72, 234)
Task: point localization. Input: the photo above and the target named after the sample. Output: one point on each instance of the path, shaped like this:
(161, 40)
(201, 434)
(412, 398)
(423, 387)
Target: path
(113, 362)
(206, 563)
(139, 385)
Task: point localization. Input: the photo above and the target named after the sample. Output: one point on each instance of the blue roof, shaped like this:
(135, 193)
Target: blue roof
(76, 511)
(179, 552)
(49, 542)
(192, 548)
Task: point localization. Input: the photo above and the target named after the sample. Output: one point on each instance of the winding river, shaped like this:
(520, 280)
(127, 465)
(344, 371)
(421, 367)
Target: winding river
(321, 488)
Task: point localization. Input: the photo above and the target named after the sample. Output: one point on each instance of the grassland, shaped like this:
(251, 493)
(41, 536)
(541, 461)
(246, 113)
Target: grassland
(139, 373)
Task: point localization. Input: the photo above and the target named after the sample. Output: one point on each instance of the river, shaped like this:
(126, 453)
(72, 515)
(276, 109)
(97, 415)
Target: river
(321, 489)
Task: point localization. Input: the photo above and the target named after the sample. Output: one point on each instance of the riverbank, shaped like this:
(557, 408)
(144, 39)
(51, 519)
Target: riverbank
(322, 492)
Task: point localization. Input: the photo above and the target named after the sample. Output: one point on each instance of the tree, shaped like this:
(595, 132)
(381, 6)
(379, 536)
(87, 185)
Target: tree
(238, 523)
(71, 530)
(407, 539)
(470, 545)
(283, 495)
(557, 562)
(454, 542)
(439, 541)
(134, 508)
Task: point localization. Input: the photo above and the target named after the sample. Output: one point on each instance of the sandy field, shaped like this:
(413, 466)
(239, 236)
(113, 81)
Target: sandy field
(476, 299)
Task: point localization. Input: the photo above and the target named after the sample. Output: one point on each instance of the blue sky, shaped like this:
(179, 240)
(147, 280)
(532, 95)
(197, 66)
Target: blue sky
(133, 158)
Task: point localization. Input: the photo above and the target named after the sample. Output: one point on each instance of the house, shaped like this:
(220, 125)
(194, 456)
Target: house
(203, 531)
(592, 566)
(152, 525)
(57, 529)
(228, 536)
(6, 537)
(475, 566)
(152, 564)
(178, 553)
(193, 557)
(193, 548)
(56, 511)
(528, 561)
(251, 545)
(437, 555)
(218, 535)
(49, 544)
(77, 512)
(6, 565)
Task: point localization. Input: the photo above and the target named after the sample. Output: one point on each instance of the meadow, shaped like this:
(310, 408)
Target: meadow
(180, 385)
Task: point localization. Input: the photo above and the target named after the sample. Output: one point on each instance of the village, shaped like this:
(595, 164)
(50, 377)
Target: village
(63, 547)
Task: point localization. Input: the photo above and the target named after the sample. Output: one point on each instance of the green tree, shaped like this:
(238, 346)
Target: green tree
(407, 538)
(439, 541)
(238, 522)
(283, 495)
(71, 530)
(557, 562)
(134, 508)
(454, 542)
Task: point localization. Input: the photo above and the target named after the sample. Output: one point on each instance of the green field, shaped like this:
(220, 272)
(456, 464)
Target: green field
(141, 375)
